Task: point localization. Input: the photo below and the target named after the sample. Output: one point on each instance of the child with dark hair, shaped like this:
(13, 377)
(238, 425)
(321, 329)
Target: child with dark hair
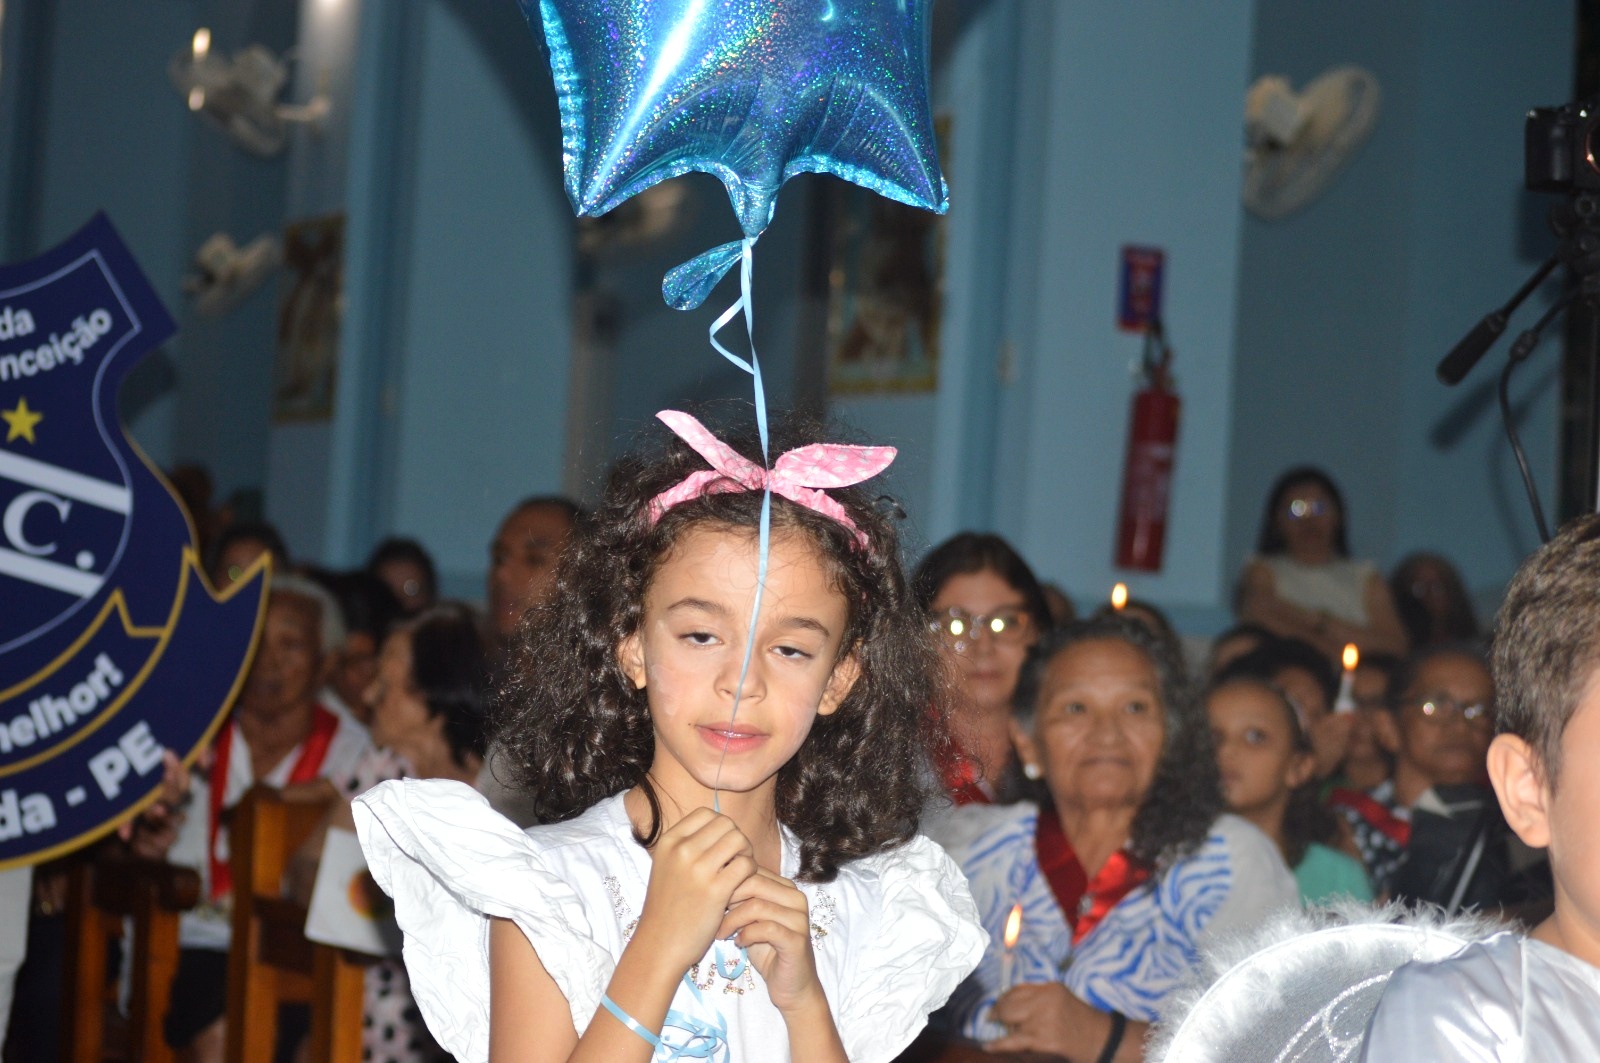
(1310, 683)
(1533, 997)
(522, 559)
(727, 749)
(1265, 761)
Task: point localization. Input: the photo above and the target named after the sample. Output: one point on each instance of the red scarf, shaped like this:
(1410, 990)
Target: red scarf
(962, 779)
(1377, 817)
(1083, 902)
(313, 751)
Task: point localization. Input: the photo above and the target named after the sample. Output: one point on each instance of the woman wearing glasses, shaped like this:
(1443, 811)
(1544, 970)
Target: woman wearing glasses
(1121, 864)
(1303, 584)
(988, 608)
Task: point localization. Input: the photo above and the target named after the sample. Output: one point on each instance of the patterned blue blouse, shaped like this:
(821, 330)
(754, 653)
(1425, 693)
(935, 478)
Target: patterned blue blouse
(1140, 950)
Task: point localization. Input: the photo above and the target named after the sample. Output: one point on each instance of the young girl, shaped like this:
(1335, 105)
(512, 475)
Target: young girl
(1266, 763)
(728, 866)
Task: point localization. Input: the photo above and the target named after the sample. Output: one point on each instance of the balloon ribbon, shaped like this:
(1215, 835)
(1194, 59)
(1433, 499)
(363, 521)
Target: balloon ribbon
(745, 306)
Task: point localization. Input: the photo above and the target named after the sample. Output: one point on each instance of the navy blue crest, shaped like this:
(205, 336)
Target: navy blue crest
(113, 648)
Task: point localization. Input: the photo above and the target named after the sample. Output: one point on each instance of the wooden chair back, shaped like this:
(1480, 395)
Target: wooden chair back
(271, 962)
(105, 890)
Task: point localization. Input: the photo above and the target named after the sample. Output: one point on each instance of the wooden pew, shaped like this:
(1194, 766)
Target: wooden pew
(104, 890)
(271, 961)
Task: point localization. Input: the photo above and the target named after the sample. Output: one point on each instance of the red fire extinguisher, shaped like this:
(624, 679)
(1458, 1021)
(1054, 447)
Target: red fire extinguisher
(1147, 468)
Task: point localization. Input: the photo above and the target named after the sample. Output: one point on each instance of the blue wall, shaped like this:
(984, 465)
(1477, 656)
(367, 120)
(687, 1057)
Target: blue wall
(483, 380)
(123, 141)
(944, 474)
(304, 493)
(1345, 309)
(1142, 148)
(224, 376)
(1476, 235)
(117, 141)
(444, 154)
(1075, 129)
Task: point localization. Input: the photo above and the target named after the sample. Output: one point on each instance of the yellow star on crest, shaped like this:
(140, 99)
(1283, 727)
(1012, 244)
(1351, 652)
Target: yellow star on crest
(20, 421)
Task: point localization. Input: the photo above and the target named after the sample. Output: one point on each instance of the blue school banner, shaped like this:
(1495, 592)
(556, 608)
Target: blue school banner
(113, 647)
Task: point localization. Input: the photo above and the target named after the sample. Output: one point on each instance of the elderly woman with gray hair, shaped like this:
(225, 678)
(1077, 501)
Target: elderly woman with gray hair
(1122, 864)
(281, 734)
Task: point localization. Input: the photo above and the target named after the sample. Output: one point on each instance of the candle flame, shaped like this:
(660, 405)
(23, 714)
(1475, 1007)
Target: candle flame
(1013, 926)
(1119, 596)
(202, 44)
(1352, 657)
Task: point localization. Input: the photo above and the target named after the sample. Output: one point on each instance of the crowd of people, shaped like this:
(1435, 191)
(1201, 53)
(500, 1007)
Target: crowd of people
(1113, 799)
(1129, 803)
(358, 676)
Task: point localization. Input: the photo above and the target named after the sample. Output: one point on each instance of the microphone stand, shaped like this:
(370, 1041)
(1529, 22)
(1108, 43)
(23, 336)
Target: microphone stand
(1520, 350)
(1577, 222)
(1454, 367)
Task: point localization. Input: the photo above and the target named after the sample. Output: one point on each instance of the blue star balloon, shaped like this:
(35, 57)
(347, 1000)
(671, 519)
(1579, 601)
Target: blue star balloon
(753, 91)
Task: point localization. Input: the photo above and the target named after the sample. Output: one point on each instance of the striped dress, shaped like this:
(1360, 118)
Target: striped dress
(1140, 950)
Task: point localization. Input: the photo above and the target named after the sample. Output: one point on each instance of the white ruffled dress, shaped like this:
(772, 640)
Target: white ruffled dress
(893, 934)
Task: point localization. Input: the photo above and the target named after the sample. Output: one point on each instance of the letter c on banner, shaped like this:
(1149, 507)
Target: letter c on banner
(17, 512)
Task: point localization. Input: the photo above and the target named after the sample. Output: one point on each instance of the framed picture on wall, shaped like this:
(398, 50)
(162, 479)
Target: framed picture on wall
(885, 290)
(307, 363)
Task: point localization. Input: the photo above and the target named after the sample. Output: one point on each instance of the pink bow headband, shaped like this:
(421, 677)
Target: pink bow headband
(798, 475)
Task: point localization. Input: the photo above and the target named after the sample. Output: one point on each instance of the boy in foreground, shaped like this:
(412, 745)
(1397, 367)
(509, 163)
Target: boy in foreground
(1533, 997)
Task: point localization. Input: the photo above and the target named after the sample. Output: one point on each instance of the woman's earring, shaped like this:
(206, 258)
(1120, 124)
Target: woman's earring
(1032, 771)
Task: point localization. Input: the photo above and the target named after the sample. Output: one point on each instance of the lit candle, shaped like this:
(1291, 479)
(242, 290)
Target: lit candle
(1119, 596)
(201, 48)
(1008, 958)
(1346, 701)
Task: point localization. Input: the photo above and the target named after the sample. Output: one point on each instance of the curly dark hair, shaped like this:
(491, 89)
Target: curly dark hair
(1306, 819)
(1185, 797)
(575, 730)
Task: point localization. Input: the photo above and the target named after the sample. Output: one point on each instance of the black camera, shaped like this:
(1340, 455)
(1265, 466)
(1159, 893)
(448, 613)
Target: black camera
(1561, 148)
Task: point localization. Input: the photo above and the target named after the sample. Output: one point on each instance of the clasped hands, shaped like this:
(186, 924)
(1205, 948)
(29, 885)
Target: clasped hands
(705, 886)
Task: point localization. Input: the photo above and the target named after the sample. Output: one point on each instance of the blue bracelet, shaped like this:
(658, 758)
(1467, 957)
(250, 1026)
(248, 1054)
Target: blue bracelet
(630, 1022)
